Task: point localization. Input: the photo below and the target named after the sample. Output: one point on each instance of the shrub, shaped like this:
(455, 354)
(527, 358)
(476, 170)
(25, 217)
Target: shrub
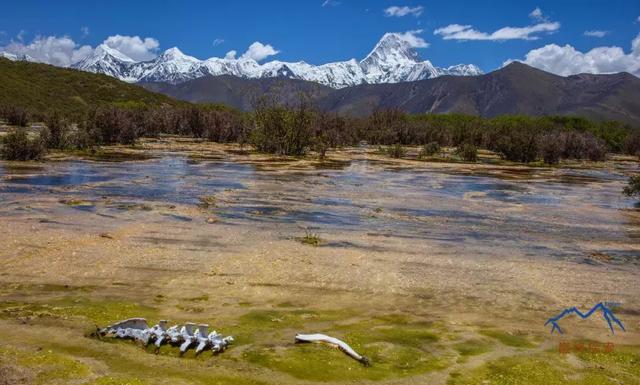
(517, 145)
(396, 151)
(468, 152)
(16, 116)
(632, 143)
(550, 148)
(633, 189)
(18, 146)
(429, 149)
(282, 130)
(57, 134)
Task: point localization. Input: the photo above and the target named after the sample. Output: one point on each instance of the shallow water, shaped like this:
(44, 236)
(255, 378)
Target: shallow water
(529, 211)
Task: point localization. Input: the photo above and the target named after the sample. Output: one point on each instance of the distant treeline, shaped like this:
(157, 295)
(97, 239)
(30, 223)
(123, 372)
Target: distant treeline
(288, 130)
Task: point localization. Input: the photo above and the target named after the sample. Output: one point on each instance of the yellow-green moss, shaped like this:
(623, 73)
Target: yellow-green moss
(553, 368)
(510, 339)
(473, 347)
(100, 312)
(47, 366)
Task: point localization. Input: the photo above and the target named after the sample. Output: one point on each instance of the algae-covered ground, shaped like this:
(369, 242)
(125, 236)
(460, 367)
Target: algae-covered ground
(439, 273)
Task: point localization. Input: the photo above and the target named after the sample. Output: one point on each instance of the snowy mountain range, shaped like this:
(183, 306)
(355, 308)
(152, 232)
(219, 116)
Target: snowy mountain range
(392, 60)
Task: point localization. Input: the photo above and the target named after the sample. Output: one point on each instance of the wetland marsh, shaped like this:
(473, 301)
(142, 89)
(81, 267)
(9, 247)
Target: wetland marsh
(441, 273)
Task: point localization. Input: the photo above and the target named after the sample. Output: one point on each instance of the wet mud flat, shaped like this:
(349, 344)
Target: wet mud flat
(439, 272)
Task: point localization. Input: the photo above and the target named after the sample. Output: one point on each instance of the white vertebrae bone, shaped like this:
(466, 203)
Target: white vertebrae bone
(186, 336)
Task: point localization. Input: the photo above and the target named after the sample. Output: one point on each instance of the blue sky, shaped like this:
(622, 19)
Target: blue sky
(320, 31)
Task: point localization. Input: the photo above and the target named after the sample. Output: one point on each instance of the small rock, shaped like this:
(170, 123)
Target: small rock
(106, 235)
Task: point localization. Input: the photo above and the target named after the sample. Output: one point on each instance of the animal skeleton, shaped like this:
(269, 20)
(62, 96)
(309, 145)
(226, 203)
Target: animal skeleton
(184, 335)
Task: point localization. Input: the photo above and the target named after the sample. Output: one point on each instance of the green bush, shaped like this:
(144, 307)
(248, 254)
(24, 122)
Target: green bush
(57, 132)
(16, 116)
(282, 130)
(633, 189)
(550, 148)
(468, 152)
(17, 145)
(396, 151)
(429, 149)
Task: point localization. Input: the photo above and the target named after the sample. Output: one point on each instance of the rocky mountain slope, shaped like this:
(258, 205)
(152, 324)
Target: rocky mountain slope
(514, 89)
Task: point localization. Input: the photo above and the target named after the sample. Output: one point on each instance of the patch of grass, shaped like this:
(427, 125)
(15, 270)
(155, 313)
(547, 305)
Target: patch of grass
(134, 207)
(396, 151)
(624, 361)
(396, 346)
(191, 309)
(108, 380)
(473, 347)
(98, 312)
(509, 339)
(76, 202)
(208, 201)
(552, 368)
(49, 367)
(200, 298)
(317, 362)
(310, 238)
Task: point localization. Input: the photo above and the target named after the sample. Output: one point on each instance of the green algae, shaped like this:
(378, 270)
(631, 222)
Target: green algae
(49, 367)
(395, 345)
(552, 368)
(509, 339)
(99, 312)
(108, 380)
(473, 347)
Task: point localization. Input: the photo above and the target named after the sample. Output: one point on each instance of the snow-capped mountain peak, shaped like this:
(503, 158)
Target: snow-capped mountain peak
(17, 57)
(392, 60)
(392, 49)
(104, 50)
(108, 61)
(174, 54)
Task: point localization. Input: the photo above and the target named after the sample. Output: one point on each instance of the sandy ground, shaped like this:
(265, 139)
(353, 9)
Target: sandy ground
(508, 266)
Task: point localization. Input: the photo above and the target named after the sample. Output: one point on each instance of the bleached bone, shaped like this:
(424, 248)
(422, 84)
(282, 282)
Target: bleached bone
(201, 337)
(129, 328)
(334, 342)
(184, 335)
(173, 334)
(188, 337)
(157, 334)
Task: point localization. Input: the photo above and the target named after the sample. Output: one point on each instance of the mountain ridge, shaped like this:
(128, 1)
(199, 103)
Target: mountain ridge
(516, 89)
(392, 60)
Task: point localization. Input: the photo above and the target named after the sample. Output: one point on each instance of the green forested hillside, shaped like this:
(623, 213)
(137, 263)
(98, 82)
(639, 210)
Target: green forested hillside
(41, 88)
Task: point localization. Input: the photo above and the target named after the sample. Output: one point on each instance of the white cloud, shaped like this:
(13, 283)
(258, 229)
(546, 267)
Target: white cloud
(330, 3)
(85, 31)
(413, 39)
(596, 33)
(403, 11)
(63, 51)
(537, 15)
(217, 41)
(231, 55)
(59, 51)
(258, 51)
(135, 47)
(466, 32)
(566, 60)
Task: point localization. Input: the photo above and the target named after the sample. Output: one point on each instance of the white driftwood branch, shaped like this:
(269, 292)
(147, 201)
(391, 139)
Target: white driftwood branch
(334, 342)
